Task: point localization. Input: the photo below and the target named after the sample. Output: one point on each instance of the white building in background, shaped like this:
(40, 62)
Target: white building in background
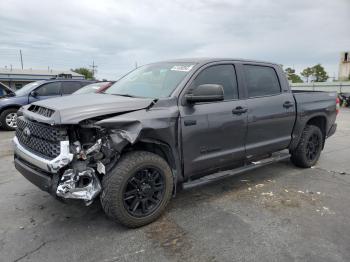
(16, 78)
(344, 66)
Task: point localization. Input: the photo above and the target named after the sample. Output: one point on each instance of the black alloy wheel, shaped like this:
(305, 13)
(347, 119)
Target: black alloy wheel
(144, 191)
(313, 147)
(137, 190)
(309, 147)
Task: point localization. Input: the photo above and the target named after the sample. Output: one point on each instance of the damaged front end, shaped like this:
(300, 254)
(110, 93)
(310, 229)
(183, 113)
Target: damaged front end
(69, 159)
(95, 151)
(84, 185)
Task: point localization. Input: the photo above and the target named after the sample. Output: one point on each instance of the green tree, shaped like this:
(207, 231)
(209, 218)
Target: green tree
(85, 72)
(292, 76)
(307, 72)
(319, 73)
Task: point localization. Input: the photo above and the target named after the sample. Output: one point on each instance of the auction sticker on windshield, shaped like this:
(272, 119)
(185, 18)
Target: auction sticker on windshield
(183, 68)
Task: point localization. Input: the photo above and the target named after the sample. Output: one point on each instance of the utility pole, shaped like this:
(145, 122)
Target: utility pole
(93, 66)
(20, 54)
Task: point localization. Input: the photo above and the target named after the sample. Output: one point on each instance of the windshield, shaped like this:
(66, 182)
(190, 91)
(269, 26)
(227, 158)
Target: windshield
(93, 88)
(153, 81)
(25, 90)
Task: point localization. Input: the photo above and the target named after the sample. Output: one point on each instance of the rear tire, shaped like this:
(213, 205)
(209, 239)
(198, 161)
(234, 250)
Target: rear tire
(8, 119)
(138, 189)
(309, 148)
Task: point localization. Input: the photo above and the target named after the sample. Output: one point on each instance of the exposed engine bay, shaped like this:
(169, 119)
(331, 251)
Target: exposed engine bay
(95, 152)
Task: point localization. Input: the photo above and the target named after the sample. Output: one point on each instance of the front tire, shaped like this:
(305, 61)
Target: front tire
(138, 189)
(309, 148)
(8, 119)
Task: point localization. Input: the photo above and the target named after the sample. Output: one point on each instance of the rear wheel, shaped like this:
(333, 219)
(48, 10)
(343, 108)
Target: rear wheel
(8, 119)
(309, 148)
(137, 190)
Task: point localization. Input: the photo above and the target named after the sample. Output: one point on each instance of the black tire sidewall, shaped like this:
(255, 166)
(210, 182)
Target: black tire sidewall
(125, 180)
(118, 178)
(299, 155)
(317, 131)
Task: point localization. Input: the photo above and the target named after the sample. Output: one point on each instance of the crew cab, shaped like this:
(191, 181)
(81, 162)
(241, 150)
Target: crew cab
(167, 125)
(32, 92)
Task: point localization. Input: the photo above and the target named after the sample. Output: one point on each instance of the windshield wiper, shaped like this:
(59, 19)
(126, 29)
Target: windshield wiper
(126, 95)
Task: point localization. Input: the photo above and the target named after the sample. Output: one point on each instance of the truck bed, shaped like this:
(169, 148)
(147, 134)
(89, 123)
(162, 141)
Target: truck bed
(313, 103)
(312, 100)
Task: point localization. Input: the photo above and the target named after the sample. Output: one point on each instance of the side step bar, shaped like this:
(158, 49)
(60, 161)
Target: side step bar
(275, 157)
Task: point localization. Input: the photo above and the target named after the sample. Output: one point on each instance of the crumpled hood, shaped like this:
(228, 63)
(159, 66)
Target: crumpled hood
(74, 108)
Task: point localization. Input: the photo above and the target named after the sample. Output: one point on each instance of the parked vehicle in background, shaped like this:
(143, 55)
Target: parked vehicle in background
(33, 92)
(97, 87)
(344, 99)
(5, 91)
(169, 124)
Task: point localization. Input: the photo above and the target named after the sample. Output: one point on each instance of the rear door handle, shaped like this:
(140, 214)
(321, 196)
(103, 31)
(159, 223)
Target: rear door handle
(239, 110)
(190, 122)
(288, 104)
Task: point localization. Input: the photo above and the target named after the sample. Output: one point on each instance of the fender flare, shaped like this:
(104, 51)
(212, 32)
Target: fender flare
(300, 125)
(171, 157)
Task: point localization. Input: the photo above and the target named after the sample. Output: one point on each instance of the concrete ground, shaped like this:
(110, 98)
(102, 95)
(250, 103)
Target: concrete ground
(277, 213)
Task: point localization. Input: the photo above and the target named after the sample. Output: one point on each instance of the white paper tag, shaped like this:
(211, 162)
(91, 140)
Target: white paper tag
(101, 168)
(182, 68)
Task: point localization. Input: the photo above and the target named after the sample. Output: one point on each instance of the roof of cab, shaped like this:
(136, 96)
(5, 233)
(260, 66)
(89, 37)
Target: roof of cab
(205, 60)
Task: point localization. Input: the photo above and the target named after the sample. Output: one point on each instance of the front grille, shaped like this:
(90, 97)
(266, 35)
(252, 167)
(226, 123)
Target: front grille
(41, 110)
(39, 138)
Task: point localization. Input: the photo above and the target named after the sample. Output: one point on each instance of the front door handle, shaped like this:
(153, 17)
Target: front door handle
(288, 104)
(239, 110)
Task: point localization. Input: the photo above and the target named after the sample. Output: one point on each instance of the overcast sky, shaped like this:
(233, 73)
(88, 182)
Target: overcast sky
(68, 34)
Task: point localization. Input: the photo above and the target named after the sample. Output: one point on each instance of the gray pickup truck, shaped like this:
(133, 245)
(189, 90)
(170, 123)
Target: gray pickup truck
(166, 125)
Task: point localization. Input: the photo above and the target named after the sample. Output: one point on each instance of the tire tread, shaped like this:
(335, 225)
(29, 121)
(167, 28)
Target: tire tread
(113, 183)
(298, 156)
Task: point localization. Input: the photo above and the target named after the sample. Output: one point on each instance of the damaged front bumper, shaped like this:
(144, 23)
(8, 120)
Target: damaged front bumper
(39, 178)
(83, 185)
(48, 165)
(44, 173)
(38, 170)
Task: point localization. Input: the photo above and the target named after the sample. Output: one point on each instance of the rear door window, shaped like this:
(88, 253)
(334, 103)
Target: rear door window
(261, 80)
(70, 87)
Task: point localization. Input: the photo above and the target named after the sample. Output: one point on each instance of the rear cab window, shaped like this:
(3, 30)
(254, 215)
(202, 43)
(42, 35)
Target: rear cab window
(261, 80)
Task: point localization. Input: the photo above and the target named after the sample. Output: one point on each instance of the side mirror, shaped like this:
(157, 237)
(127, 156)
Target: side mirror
(33, 94)
(206, 93)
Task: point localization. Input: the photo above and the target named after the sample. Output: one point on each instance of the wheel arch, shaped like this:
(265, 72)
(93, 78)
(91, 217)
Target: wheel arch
(165, 151)
(15, 106)
(319, 120)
